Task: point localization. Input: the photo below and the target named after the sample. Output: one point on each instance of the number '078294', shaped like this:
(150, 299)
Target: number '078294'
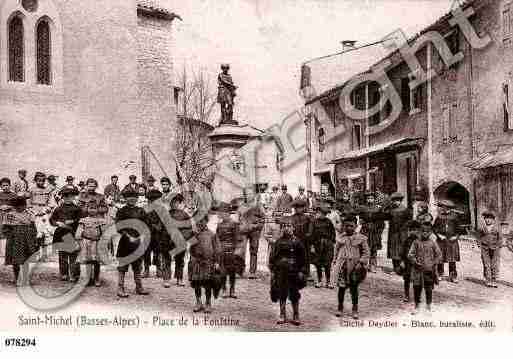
(20, 342)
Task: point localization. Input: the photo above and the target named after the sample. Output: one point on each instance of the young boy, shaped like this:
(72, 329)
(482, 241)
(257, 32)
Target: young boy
(287, 264)
(66, 217)
(424, 255)
(490, 242)
(129, 242)
(323, 240)
(203, 264)
(413, 234)
(89, 233)
(228, 235)
(351, 261)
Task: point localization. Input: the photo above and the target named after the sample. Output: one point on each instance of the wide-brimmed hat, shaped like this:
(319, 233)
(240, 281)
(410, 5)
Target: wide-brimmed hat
(447, 203)
(18, 201)
(224, 207)
(150, 179)
(69, 178)
(132, 177)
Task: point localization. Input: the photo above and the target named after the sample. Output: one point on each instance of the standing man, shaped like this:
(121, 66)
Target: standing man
(167, 195)
(252, 223)
(303, 227)
(423, 214)
(81, 186)
(302, 196)
(310, 200)
(285, 200)
(132, 184)
(21, 186)
(398, 216)
(90, 195)
(372, 227)
(112, 191)
(447, 232)
(150, 184)
(178, 213)
(274, 196)
(490, 242)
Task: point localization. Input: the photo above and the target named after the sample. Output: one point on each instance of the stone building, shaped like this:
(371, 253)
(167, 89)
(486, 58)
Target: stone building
(453, 135)
(84, 85)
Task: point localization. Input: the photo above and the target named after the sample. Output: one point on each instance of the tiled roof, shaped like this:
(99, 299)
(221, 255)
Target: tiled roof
(152, 7)
(361, 59)
(488, 160)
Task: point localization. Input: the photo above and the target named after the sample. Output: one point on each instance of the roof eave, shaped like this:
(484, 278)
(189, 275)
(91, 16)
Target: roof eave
(161, 14)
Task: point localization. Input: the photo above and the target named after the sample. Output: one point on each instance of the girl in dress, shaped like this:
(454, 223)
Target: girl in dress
(89, 233)
(21, 233)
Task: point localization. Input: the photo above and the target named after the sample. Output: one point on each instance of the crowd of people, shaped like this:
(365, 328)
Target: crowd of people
(340, 238)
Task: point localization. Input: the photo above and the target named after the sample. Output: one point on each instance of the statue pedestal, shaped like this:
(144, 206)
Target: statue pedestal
(234, 168)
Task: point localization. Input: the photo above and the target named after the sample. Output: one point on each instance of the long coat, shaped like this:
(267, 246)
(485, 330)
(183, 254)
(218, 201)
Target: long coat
(349, 251)
(287, 260)
(397, 232)
(229, 237)
(205, 253)
(424, 255)
(323, 241)
(372, 225)
(446, 231)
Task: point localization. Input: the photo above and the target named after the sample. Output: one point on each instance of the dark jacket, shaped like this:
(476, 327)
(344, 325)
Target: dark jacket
(128, 245)
(63, 213)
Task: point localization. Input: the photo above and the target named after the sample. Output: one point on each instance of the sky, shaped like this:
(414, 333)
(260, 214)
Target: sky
(266, 41)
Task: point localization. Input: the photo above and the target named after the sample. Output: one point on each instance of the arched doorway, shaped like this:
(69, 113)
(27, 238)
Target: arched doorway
(459, 195)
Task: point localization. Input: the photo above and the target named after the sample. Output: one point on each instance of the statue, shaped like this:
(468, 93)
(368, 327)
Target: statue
(225, 95)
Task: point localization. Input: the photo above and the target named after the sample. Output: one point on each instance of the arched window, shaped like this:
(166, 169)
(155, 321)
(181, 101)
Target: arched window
(16, 50)
(43, 53)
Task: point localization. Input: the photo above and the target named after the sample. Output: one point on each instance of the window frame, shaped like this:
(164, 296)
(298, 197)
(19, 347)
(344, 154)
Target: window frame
(47, 21)
(506, 24)
(11, 72)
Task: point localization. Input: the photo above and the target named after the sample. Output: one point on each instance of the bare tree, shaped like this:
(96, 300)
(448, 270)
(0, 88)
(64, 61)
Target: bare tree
(195, 106)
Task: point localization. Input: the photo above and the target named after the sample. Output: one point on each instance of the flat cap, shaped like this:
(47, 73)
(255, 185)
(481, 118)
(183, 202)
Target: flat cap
(154, 194)
(129, 193)
(68, 191)
(298, 203)
(488, 214)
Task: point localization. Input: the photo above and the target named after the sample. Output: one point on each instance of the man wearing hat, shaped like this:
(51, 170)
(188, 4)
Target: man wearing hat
(398, 216)
(66, 217)
(228, 234)
(112, 191)
(490, 242)
(301, 195)
(21, 186)
(287, 264)
(284, 201)
(156, 228)
(129, 242)
(251, 224)
(323, 241)
(91, 195)
(274, 196)
(81, 186)
(178, 213)
(446, 228)
(372, 219)
(150, 183)
(132, 184)
(303, 228)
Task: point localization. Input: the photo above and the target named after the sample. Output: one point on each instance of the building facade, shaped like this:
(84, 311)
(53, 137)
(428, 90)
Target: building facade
(452, 138)
(84, 85)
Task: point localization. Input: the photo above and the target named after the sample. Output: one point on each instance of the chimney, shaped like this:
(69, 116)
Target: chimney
(348, 44)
